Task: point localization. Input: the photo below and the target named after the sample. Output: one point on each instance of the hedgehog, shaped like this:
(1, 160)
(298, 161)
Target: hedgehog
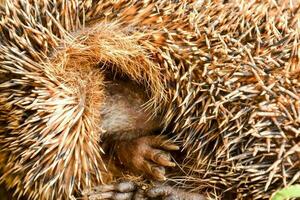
(233, 91)
(75, 93)
(221, 78)
(68, 99)
(231, 74)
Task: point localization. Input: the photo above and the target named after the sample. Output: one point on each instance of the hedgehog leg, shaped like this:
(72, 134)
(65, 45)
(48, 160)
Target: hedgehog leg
(119, 191)
(166, 192)
(147, 155)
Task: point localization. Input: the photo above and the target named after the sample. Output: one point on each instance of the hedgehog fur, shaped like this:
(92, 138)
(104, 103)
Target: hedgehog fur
(224, 75)
(234, 107)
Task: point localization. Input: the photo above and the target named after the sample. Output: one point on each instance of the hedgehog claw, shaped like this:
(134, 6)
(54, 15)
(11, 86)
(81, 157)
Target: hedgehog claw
(119, 191)
(148, 155)
(169, 193)
(140, 195)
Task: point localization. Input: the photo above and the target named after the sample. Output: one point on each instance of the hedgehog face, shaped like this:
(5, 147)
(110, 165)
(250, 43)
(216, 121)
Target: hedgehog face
(122, 112)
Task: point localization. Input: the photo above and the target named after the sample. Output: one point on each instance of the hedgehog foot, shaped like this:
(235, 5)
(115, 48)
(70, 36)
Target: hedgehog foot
(147, 155)
(171, 193)
(118, 191)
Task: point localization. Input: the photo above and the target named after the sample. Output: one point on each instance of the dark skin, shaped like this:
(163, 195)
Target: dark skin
(130, 139)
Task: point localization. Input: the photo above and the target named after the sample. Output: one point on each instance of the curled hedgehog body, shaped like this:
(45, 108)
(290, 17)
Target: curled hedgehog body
(225, 78)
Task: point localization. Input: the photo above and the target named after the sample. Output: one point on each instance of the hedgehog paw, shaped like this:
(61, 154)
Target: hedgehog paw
(170, 193)
(147, 155)
(118, 191)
